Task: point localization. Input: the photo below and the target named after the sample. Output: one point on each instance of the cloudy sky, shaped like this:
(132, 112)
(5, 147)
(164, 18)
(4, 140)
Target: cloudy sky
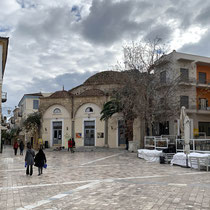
(63, 42)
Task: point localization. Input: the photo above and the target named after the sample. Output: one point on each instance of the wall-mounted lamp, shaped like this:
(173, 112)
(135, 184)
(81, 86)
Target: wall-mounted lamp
(45, 129)
(67, 128)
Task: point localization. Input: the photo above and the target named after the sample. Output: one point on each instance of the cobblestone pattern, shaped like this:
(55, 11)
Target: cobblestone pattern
(112, 179)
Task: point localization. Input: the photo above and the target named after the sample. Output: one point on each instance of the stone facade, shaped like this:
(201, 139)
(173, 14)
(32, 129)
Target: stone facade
(79, 115)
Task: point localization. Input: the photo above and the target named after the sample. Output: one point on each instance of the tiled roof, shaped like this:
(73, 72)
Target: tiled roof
(92, 92)
(60, 94)
(106, 77)
(33, 94)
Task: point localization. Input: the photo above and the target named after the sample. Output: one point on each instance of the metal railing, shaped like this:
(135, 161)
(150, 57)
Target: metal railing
(204, 82)
(189, 80)
(156, 142)
(196, 145)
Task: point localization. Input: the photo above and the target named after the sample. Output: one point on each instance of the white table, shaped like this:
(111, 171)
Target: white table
(180, 158)
(150, 155)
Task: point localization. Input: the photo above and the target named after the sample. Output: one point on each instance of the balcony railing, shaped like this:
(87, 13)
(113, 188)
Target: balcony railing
(190, 80)
(194, 107)
(203, 82)
(4, 97)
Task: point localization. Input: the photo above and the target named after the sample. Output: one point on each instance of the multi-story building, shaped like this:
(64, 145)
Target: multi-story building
(192, 73)
(3, 58)
(29, 104)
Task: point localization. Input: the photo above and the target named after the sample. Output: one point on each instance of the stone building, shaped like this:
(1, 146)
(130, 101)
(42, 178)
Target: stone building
(76, 113)
(28, 104)
(193, 92)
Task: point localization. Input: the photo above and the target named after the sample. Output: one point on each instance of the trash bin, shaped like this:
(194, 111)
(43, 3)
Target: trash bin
(162, 159)
(46, 144)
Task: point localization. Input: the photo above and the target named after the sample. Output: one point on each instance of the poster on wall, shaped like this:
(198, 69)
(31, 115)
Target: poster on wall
(78, 135)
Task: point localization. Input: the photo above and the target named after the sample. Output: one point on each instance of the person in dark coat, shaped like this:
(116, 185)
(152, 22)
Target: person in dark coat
(69, 144)
(15, 146)
(21, 147)
(40, 160)
(29, 159)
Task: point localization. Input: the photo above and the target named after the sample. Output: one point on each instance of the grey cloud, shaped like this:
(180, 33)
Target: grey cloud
(200, 48)
(204, 16)
(108, 21)
(50, 85)
(69, 80)
(159, 31)
(45, 25)
(26, 3)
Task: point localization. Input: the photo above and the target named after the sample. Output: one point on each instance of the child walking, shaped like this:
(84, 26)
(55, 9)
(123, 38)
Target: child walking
(40, 160)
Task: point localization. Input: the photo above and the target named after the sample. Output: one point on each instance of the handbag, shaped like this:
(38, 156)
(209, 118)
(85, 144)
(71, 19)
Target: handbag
(45, 165)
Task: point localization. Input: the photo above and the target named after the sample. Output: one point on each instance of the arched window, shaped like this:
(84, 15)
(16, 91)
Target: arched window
(89, 109)
(56, 111)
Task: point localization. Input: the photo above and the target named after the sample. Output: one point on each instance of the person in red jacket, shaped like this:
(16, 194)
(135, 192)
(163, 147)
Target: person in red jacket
(71, 144)
(15, 146)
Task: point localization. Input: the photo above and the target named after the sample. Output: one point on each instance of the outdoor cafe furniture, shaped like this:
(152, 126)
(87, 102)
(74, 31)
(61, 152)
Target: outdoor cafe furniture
(199, 161)
(149, 155)
(195, 160)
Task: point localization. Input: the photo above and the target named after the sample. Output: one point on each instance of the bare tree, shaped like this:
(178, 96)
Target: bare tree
(146, 93)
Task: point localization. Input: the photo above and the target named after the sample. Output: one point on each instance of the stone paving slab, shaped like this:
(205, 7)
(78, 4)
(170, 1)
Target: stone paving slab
(108, 179)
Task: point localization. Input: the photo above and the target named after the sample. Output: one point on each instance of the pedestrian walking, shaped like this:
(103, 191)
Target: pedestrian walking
(71, 145)
(21, 147)
(126, 143)
(40, 160)
(29, 159)
(15, 146)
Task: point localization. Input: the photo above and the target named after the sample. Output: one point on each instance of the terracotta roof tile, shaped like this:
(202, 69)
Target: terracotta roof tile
(60, 94)
(106, 77)
(92, 92)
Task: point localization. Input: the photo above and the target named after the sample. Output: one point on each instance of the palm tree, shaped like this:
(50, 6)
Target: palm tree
(111, 107)
(116, 105)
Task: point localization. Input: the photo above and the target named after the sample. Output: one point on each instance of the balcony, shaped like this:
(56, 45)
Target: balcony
(199, 110)
(4, 97)
(187, 81)
(203, 83)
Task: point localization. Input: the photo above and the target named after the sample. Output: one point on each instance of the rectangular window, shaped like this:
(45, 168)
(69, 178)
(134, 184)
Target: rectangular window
(202, 77)
(204, 127)
(163, 77)
(184, 75)
(35, 104)
(184, 101)
(203, 103)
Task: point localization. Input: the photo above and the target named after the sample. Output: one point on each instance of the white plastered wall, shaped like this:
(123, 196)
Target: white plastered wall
(49, 117)
(82, 116)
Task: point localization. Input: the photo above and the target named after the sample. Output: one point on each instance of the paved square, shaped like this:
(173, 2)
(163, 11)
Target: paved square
(101, 179)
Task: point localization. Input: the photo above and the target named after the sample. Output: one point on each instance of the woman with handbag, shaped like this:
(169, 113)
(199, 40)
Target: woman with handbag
(40, 161)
